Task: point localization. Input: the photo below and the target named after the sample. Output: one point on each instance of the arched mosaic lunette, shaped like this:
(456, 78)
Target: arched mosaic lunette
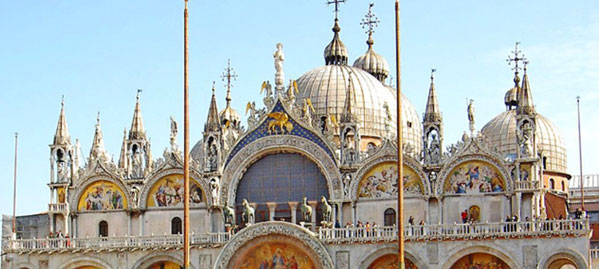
(263, 131)
(409, 162)
(281, 143)
(444, 174)
(155, 177)
(246, 235)
(82, 186)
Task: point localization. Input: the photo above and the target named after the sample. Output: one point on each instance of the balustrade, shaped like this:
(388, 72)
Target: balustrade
(60, 207)
(526, 185)
(456, 231)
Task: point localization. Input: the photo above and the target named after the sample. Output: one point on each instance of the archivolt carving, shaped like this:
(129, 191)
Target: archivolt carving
(382, 250)
(270, 228)
(354, 185)
(193, 175)
(73, 263)
(150, 259)
(273, 144)
(564, 253)
(82, 185)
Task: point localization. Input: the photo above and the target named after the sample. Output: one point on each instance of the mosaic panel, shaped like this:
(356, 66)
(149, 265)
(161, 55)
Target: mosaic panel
(474, 177)
(168, 191)
(381, 182)
(102, 195)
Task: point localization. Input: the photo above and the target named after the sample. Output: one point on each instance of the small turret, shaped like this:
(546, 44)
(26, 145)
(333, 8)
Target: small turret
(139, 158)
(61, 152)
(212, 137)
(349, 129)
(97, 151)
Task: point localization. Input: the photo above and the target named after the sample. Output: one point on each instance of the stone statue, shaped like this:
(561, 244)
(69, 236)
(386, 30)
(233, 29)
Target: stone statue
(388, 120)
(327, 212)
(137, 166)
(248, 213)
(62, 171)
(306, 210)
(471, 114)
(346, 182)
(212, 157)
(524, 136)
(135, 194)
(214, 187)
(434, 150)
(229, 215)
(279, 57)
(174, 131)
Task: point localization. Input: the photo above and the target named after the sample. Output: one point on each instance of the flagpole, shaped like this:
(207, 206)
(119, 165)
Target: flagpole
(14, 195)
(186, 225)
(580, 155)
(400, 220)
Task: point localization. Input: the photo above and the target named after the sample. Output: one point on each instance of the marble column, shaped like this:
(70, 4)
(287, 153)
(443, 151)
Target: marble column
(140, 218)
(353, 213)
(129, 216)
(313, 204)
(74, 233)
(67, 220)
(293, 208)
(340, 213)
(272, 206)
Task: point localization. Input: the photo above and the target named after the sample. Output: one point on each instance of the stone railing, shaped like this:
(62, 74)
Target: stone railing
(476, 231)
(61, 207)
(112, 243)
(526, 185)
(594, 253)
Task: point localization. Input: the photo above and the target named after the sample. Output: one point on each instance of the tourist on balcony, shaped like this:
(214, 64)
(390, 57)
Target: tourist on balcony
(507, 228)
(421, 224)
(368, 234)
(515, 225)
(527, 225)
(464, 216)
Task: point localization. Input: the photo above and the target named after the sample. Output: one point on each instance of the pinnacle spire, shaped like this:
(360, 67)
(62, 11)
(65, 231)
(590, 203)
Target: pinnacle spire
(525, 103)
(137, 130)
(123, 155)
(212, 123)
(97, 149)
(335, 53)
(62, 137)
(432, 112)
(348, 115)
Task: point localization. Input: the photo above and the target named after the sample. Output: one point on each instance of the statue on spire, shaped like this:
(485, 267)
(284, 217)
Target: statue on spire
(279, 57)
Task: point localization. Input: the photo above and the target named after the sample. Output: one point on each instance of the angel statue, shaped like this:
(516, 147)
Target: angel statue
(307, 110)
(267, 88)
(251, 107)
(388, 119)
(292, 90)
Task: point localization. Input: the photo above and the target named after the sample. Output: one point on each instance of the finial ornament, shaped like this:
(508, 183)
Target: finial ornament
(62, 102)
(138, 93)
(336, 3)
(518, 57)
(229, 74)
(213, 86)
(433, 70)
(98, 118)
(369, 22)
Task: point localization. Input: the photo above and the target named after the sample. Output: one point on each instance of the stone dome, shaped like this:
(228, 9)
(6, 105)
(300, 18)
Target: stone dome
(229, 115)
(326, 87)
(501, 133)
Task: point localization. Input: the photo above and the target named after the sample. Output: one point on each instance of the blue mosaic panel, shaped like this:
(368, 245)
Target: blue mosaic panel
(262, 131)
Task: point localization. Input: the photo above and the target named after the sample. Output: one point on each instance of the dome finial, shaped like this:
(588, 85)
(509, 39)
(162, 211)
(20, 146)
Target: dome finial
(518, 57)
(228, 76)
(335, 52)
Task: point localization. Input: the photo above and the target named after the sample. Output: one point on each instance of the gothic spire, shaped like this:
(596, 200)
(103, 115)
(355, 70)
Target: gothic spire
(525, 103)
(137, 131)
(123, 155)
(432, 112)
(212, 123)
(61, 137)
(97, 149)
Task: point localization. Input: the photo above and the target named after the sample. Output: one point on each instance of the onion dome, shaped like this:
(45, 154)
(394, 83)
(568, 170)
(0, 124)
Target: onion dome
(326, 87)
(511, 98)
(501, 133)
(335, 52)
(373, 63)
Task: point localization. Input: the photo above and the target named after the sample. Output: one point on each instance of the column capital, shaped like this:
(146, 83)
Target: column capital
(272, 204)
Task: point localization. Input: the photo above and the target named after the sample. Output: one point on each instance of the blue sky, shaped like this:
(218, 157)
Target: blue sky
(98, 53)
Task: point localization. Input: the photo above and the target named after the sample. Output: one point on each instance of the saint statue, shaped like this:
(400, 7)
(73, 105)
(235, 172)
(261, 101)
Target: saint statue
(471, 114)
(279, 57)
(214, 186)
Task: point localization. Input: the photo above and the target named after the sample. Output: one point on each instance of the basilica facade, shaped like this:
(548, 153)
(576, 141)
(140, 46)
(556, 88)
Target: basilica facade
(310, 181)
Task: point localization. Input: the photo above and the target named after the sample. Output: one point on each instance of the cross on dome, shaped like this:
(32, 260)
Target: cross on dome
(370, 21)
(336, 2)
(518, 57)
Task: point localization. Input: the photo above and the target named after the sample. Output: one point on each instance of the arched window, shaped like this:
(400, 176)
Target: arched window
(176, 226)
(563, 186)
(281, 178)
(390, 217)
(551, 184)
(103, 229)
